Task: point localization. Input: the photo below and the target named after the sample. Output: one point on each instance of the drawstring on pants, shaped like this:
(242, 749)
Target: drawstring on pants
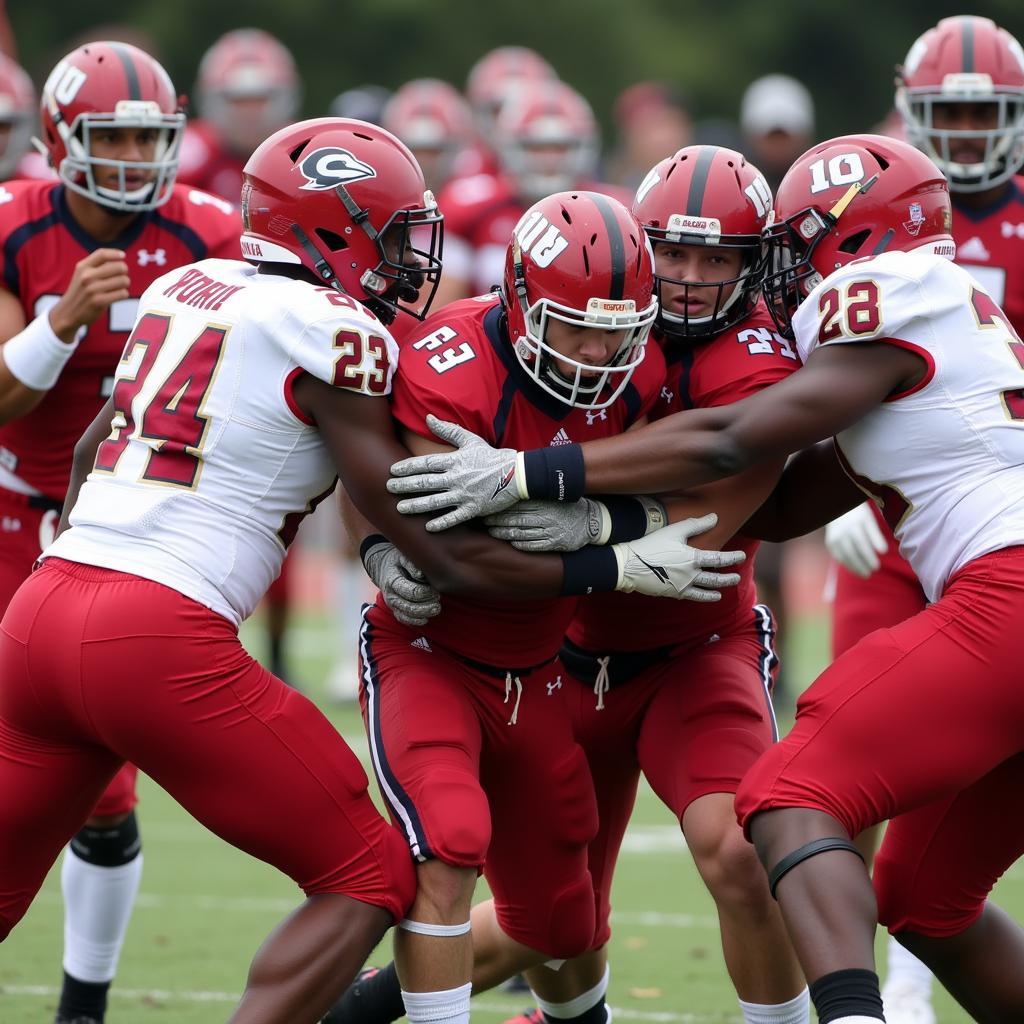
(509, 680)
(601, 683)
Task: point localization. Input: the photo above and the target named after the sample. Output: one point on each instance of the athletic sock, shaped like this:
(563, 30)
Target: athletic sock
(796, 1011)
(373, 998)
(450, 1006)
(847, 997)
(588, 1008)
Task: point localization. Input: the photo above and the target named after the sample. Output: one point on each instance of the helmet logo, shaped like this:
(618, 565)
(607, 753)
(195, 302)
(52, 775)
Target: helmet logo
(331, 166)
(913, 226)
(540, 238)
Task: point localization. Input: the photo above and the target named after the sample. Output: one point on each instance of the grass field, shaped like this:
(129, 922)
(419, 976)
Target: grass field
(204, 908)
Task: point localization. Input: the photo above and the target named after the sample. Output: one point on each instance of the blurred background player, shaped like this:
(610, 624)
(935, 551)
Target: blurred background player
(777, 125)
(960, 94)
(491, 80)
(547, 141)
(652, 121)
(18, 112)
(246, 90)
(88, 245)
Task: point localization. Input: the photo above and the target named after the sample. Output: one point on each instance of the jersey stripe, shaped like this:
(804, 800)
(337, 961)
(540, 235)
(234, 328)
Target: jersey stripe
(699, 181)
(130, 74)
(615, 241)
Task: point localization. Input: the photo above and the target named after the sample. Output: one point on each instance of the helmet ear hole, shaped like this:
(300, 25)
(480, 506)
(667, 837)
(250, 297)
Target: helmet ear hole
(852, 244)
(331, 239)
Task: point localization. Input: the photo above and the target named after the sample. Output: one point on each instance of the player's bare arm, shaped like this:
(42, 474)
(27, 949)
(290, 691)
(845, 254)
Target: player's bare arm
(836, 387)
(35, 353)
(84, 458)
(359, 432)
(813, 490)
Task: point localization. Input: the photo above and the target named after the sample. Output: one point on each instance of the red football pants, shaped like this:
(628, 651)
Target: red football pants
(99, 667)
(924, 720)
(26, 527)
(480, 774)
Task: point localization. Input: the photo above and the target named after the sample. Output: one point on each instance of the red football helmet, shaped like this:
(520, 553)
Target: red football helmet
(580, 258)
(547, 139)
(106, 85)
(346, 200)
(707, 195)
(967, 60)
(248, 87)
(434, 121)
(848, 199)
(17, 111)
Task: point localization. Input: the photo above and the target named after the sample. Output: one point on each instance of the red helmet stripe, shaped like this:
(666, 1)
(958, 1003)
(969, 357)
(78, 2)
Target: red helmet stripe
(699, 180)
(130, 73)
(967, 39)
(615, 243)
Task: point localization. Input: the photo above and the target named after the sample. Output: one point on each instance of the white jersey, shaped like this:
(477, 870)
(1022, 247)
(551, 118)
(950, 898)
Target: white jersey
(210, 464)
(944, 460)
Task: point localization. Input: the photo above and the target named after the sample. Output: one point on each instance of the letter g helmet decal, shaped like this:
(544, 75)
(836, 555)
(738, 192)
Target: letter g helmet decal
(331, 166)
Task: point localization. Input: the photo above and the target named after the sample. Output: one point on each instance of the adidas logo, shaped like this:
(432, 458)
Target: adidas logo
(560, 438)
(422, 643)
(973, 250)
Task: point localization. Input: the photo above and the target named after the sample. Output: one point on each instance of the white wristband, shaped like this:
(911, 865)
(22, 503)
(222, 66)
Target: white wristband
(36, 356)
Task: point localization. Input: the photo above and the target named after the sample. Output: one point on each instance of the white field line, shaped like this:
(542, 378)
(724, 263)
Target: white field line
(161, 995)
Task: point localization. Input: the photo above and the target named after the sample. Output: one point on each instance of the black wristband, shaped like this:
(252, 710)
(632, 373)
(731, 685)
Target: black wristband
(628, 516)
(555, 474)
(370, 542)
(590, 570)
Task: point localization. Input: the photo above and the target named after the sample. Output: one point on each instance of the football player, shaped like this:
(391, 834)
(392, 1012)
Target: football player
(898, 342)
(78, 251)
(241, 390)
(247, 89)
(683, 692)
(960, 95)
(547, 141)
(468, 715)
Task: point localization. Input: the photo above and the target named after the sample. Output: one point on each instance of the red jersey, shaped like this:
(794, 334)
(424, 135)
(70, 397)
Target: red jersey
(207, 164)
(460, 366)
(42, 243)
(479, 214)
(990, 244)
(736, 364)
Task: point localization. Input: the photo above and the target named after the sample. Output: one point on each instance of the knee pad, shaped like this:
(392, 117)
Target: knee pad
(571, 921)
(456, 818)
(108, 847)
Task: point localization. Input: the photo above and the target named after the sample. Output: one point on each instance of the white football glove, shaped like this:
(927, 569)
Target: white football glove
(474, 480)
(855, 541)
(552, 525)
(412, 600)
(663, 565)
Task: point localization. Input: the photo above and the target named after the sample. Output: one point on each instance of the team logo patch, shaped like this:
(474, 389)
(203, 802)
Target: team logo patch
(913, 225)
(331, 166)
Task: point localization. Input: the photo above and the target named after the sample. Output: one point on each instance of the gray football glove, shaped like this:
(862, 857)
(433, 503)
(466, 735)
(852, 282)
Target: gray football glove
(405, 589)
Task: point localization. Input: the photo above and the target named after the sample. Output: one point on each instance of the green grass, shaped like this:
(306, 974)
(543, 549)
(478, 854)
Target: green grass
(204, 908)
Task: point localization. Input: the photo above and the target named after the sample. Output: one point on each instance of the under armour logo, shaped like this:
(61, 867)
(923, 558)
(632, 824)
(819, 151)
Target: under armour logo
(667, 395)
(331, 166)
(556, 685)
(593, 417)
(157, 256)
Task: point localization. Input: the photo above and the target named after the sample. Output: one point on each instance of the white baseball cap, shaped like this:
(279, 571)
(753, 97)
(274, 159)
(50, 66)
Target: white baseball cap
(777, 103)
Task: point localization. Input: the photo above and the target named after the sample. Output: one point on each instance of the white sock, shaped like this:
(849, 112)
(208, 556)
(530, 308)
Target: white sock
(97, 905)
(796, 1011)
(580, 1004)
(450, 1006)
(905, 969)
